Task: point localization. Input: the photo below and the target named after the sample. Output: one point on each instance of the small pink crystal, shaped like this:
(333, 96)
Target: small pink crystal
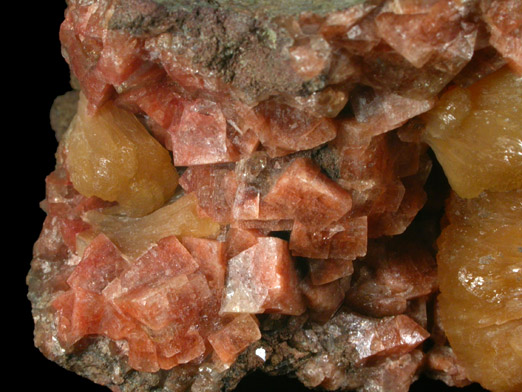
(310, 58)
(210, 256)
(289, 130)
(215, 187)
(390, 276)
(505, 24)
(422, 32)
(234, 337)
(377, 112)
(153, 305)
(119, 58)
(201, 136)
(323, 300)
(101, 263)
(169, 258)
(379, 338)
(326, 271)
(338, 24)
(343, 239)
(397, 335)
(239, 240)
(156, 98)
(303, 193)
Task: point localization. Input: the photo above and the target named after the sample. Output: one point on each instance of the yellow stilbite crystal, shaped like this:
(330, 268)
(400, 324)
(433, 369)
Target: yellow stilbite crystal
(112, 156)
(476, 134)
(480, 277)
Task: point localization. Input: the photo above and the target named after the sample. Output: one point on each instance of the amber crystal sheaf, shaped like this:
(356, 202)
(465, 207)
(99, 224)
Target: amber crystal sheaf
(476, 133)
(480, 260)
(326, 190)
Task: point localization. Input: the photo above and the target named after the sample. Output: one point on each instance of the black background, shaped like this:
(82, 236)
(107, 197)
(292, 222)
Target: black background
(38, 73)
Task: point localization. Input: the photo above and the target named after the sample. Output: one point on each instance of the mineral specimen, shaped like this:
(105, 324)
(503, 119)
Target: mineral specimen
(300, 238)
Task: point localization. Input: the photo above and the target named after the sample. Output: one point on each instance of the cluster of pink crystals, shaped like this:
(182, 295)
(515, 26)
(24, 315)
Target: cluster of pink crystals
(165, 304)
(391, 275)
(175, 303)
(291, 180)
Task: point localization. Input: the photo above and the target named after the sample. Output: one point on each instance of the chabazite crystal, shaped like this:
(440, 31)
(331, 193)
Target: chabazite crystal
(263, 278)
(299, 236)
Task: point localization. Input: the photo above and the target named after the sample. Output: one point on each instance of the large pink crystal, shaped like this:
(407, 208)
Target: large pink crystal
(263, 278)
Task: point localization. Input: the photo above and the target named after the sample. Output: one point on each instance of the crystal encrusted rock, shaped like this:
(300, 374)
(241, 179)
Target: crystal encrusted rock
(246, 186)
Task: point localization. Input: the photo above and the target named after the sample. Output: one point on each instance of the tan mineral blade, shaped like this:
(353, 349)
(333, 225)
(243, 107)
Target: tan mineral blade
(135, 235)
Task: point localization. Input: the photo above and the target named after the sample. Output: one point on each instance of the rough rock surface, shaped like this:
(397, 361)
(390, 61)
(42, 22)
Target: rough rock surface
(300, 240)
